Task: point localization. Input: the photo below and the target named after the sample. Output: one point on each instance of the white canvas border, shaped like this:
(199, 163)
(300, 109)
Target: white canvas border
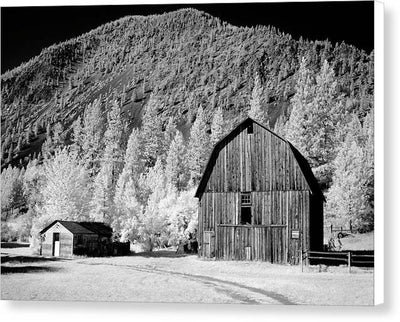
(45, 311)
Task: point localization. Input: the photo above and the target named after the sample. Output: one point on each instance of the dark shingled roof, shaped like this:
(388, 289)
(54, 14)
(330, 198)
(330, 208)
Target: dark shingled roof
(76, 227)
(302, 162)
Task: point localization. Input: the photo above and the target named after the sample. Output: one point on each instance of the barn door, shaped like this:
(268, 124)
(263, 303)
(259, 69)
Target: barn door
(209, 244)
(56, 244)
(278, 244)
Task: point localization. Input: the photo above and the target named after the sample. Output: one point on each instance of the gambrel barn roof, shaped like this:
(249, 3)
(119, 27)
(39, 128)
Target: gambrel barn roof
(301, 161)
(83, 227)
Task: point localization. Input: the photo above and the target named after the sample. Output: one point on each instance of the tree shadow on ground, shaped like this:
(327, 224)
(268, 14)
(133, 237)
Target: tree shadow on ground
(14, 245)
(28, 259)
(27, 269)
(162, 253)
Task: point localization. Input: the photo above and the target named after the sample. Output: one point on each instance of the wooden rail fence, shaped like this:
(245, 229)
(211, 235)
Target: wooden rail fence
(351, 258)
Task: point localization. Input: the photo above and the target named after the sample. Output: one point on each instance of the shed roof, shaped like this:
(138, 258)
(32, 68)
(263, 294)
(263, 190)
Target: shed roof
(76, 227)
(302, 162)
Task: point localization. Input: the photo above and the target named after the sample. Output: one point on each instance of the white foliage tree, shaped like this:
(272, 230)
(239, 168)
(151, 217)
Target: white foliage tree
(90, 135)
(65, 192)
(198, 146)
(175, 169)
(104, 184)
(11, 189)
(181, 210)
(346, 200)
(217, 126)
(150, 224)
(152, 131)
(126, 191)
(257, 112)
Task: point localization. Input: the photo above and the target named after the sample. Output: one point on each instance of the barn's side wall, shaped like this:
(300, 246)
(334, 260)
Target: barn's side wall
(316, 224)
(66, 241)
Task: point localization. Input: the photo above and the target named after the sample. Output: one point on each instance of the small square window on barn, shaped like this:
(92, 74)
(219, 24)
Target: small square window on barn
(245, 209)
(250, 129)
(246, 199)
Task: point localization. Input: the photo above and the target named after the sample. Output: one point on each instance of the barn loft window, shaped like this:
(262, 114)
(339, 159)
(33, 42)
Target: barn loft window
(250, 129)
(245, 208)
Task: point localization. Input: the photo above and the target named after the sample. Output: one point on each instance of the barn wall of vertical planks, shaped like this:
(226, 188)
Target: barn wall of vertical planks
(258, 199)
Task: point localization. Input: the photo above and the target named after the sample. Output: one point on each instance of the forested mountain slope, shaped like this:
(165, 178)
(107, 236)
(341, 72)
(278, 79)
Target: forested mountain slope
(170, 65)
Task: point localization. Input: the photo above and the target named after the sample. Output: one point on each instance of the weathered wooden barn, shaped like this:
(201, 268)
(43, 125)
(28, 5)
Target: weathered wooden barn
(258, 199)
(67, 238)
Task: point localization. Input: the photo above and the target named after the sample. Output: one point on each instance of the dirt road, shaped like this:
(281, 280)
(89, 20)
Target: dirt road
(164, 277)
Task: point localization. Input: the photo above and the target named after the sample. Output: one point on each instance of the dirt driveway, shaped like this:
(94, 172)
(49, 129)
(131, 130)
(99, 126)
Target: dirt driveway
(165, 277)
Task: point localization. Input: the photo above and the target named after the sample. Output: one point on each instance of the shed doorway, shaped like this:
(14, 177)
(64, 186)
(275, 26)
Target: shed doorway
(56, 244)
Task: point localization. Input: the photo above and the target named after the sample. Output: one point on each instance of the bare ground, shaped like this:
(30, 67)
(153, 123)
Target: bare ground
(166, 277)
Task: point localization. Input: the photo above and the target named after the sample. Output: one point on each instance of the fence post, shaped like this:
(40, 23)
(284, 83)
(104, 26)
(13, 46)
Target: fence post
(349, 261)
(331, 228)
(351, 226)
(301, 259)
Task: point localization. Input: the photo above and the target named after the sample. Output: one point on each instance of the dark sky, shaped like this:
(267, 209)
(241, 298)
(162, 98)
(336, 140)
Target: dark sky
(25, 31)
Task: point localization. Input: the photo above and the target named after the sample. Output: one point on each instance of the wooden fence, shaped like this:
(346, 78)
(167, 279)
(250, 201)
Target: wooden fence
(340, 229)
(349, 258)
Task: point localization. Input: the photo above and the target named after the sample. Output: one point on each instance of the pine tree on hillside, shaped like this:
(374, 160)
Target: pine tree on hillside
(112, 141)
(19, 143)
(198, 147)
(324, 122)
(102, 206)
(299, 120)
(91, 134)
(257, 111)
(152, 131)
(169, 133)
(280, 126)
(133, 167)
(10, 153)
(28, 134)
(58, 137)
(217, 126)
(314, 118)
(175, 169)
(77, 136)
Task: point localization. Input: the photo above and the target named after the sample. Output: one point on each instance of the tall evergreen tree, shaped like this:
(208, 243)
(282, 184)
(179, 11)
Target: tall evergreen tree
(133, 167)
(112, 141)
(175, 170)
(311, 126)
(217, 126)
(257, 111)
(101, 205)
(152, 131)
(198, 146)
(91, 134)
(111, 164)
(169, 134)
(301, 105)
